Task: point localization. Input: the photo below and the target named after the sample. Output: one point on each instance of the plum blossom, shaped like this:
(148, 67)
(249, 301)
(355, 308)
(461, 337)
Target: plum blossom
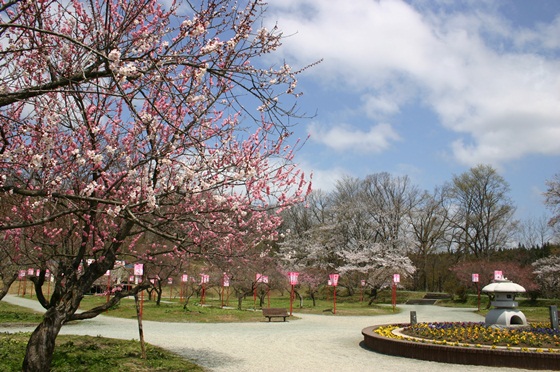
(36, 160)
(114, 55)
(211, 46)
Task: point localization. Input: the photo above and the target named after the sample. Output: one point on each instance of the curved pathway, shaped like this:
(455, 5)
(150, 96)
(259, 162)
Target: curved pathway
(314, 343)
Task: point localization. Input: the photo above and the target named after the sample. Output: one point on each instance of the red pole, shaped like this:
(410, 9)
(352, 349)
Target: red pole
(394, 297)
(255, 297)
(334, 297)
(362, 294)
(291, 300)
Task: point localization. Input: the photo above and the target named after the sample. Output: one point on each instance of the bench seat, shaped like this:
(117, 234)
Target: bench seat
(274, 312)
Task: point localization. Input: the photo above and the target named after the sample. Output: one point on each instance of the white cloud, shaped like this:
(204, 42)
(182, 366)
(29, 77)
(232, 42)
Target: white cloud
(470, 68)
(326, 179)
(380, 106)
(345, 138)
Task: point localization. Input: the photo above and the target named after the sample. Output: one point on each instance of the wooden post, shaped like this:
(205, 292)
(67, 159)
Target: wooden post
(140, 329)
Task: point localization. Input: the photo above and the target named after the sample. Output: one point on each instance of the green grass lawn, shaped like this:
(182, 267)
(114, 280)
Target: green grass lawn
(96, 354)
(18, 315)
(171, 310)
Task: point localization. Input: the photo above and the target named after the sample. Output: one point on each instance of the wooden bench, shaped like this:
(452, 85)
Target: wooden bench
(274, 312)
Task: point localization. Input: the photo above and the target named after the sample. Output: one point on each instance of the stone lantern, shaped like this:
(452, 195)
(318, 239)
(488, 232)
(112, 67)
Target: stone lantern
(505, 313)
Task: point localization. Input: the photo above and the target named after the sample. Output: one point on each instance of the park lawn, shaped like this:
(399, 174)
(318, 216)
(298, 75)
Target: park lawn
(18, 315)
(171, 310)
(95, 354)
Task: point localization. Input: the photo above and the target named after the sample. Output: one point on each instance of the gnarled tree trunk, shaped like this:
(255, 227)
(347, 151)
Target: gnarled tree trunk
(40, 346)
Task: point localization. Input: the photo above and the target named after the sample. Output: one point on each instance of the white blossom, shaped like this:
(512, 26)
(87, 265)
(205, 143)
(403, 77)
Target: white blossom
(114, 55)
(36, 160)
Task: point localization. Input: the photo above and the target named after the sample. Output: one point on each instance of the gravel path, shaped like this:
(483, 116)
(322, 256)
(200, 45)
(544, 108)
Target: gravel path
(314, 343)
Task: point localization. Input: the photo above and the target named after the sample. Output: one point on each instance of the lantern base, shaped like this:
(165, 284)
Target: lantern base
(505, 318)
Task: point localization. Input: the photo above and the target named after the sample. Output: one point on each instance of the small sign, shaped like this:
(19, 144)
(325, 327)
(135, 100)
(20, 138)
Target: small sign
(225, 281)
(293, 277)
(334, 279)
(138, 269)
(396, 278)
(204, 278)
(363, 283)
(498, 275)
(184, 278)
(264, 279)
(169, 281)
(475, 278)
(30, 271)
(21, 274)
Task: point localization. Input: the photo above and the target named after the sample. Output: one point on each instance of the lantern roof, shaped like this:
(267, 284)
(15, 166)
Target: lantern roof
(503, 286)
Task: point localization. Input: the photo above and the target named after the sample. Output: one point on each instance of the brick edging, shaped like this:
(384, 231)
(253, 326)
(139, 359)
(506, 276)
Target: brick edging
(458, 354)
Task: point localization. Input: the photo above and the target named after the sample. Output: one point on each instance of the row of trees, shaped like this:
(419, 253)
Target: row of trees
(382, 224)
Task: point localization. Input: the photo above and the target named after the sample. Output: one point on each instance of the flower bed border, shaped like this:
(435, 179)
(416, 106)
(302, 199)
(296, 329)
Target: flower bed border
(458, 354)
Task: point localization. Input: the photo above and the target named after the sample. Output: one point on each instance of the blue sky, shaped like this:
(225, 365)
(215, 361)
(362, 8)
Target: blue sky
(428, 89)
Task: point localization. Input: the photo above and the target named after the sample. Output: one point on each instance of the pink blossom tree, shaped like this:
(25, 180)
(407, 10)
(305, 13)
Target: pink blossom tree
(121, 118)
(522, 275)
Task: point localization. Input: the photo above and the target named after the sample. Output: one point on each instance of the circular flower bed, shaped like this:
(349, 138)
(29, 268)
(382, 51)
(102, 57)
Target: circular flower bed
(536, 336)
(532, 347)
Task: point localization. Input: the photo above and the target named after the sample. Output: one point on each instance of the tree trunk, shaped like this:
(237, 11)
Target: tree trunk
(159, 292)
(240, 302)
(7, 283)
(40, 346)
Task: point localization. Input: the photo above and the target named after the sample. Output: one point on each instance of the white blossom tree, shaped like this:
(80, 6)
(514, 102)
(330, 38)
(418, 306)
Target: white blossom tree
(547, 271)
